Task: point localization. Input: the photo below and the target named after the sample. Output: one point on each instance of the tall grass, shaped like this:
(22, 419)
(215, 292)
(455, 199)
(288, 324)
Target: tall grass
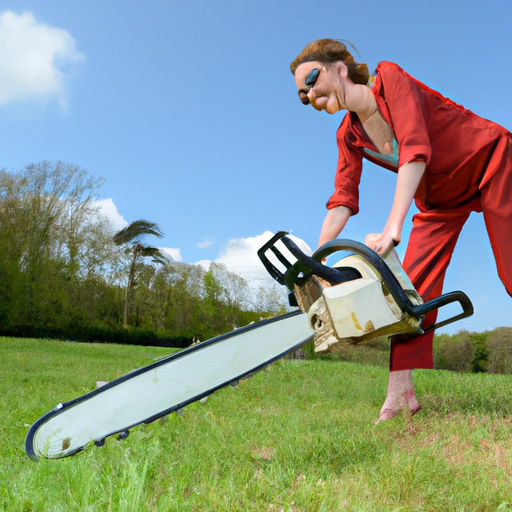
(298, 436)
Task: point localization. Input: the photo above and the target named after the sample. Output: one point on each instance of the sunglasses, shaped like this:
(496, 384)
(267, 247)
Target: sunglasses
(310, 82)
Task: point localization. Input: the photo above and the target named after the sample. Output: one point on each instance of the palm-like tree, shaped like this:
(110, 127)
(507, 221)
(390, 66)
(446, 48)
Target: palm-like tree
(132, 236)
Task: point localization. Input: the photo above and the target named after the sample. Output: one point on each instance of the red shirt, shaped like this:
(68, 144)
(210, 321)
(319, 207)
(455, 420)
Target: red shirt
(462, 150)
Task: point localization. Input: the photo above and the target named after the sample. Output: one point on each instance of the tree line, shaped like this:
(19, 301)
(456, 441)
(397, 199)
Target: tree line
(475, 352)
(466, 352)
(66, 273)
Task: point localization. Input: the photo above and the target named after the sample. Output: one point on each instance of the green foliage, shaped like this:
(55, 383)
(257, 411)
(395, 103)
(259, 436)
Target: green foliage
(455, 354)
(45, 232)
(463, 352)
(65, 272)
(466, 352)
(92, 334)
(481, 355)
(134, 232)
(499, 346)
(299, 436)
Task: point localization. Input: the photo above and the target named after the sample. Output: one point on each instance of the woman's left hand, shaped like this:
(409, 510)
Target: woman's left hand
(381, 243)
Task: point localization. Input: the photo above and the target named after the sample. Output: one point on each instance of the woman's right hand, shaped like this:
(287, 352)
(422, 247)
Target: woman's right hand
(381, 243)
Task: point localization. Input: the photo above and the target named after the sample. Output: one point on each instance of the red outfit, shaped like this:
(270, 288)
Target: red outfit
(469, 168)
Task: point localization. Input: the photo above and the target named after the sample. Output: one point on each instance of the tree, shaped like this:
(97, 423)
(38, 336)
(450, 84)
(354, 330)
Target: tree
(455, 353)
(178, 292)
(45, 210)
(270, 299)
(132, 236)
(499, 343)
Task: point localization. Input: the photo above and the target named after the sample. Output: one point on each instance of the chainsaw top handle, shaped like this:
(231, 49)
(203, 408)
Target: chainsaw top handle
(300, 271)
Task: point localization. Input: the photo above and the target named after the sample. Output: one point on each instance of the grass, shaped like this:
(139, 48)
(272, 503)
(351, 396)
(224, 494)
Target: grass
(298, 436)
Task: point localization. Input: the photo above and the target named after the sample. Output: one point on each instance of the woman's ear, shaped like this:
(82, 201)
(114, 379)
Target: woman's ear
(341, 68)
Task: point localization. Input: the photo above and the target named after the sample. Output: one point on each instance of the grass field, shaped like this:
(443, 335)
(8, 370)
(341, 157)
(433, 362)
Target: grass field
(299, 436)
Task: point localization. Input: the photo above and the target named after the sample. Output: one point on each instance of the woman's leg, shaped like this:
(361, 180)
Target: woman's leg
(431, 244)
(497, 208)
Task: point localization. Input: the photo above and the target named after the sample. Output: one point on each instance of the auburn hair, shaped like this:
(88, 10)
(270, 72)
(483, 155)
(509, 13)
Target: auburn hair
(329, 51)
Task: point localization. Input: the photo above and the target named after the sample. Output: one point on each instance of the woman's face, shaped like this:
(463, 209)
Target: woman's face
(328, 92)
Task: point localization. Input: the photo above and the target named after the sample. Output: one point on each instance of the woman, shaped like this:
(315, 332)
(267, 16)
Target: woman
(449, 160)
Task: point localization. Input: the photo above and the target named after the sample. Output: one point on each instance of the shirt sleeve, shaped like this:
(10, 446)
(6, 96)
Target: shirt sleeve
(404, 97)
(348, 174)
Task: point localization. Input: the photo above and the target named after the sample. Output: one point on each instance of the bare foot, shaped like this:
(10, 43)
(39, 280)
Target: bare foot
(387, 414)
(412, 402)
(401, 396)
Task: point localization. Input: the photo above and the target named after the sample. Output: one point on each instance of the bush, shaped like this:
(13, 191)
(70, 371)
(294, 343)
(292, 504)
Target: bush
(454, 353)
(91, 334)
(499, 346)
(463, 352)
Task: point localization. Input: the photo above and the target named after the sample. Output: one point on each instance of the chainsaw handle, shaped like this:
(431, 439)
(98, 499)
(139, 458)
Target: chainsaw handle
(394, 287)
(271, 268)
(301, 270)
(443, 300)
(373, 259)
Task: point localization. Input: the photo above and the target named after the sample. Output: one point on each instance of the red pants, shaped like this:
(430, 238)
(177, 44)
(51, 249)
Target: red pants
(429, 251)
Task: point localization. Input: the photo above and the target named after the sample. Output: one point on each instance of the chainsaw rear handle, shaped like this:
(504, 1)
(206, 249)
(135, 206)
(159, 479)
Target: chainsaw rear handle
(305, 266)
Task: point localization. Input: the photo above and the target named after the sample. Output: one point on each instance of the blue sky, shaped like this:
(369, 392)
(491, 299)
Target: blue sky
(189, 112)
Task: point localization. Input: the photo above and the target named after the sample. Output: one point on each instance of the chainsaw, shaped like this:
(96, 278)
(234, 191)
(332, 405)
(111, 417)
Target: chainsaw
(360, 297)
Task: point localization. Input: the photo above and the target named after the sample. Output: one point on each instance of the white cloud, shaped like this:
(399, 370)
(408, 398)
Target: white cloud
(175, 254)
(33, 59)
(205, 264)
(206, 243)
(240, 256)
(108, 209)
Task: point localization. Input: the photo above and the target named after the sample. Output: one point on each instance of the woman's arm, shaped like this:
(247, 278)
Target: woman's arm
(409, 177)
(334, 222)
